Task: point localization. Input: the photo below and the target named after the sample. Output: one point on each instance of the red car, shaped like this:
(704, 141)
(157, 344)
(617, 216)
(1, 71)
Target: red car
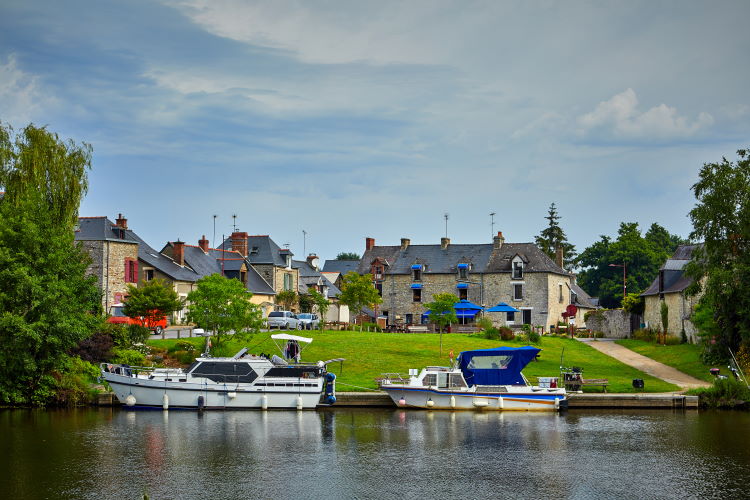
(118, 317)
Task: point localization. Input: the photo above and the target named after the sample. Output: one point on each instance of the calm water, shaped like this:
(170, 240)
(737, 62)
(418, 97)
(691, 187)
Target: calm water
(112, 453)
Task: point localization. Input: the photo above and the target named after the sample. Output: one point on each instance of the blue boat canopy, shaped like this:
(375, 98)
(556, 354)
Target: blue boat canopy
(497, 366)
(461, 286)
(416, 285)
(502, 307)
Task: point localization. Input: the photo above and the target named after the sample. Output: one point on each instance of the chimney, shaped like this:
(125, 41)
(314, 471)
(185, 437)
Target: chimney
(121, 222)
(239, 243)
(405, 243)
(203, 243)
(559, 257)
(444, 242)
(312, 261)
(369, 243)
(179, 252)
(497, 241)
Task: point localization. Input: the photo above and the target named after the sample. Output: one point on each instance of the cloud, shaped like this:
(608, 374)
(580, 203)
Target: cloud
(620, 118)
(20, 96)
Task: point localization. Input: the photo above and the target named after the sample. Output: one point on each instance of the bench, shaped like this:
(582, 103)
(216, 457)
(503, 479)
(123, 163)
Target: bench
(594, 382)
(417, 329)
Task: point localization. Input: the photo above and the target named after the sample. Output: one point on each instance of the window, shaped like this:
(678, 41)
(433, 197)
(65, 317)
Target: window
(148, 274)
(561, 294)
(243, 276)
(416, 274)
(511, 316)
(416, 294)
(379, 288)
(409, 318)
(517, 269)
(463, 294)
(254, 251)
(518, 292)
(526, 316)
(378, 272)
(288, 281)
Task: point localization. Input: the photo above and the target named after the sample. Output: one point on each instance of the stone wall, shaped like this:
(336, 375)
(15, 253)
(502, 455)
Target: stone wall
(680, 310)
(108, 265)
(614, 323)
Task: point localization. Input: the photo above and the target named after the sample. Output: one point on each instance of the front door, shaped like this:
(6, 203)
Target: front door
(526, 316)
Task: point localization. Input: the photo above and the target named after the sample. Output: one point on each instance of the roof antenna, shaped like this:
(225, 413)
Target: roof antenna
(304, 243)
(213, 241)
(286, 245)
(446, 215)
(492, 224)
(234, 223)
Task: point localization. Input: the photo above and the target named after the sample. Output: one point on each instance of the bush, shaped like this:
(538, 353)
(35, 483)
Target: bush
(725, 393)
(72, 384)
(534, 337)
(672, 340)
(128, 357)
(506, 333)
(492, 333)
(372, 327)
(95, 349)
(183, 345)
(598, 335)
(645, 334)
(485, 323)
(184, 357)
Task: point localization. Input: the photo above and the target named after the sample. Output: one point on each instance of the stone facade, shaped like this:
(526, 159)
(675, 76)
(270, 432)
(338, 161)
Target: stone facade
(274, 276)
(680, 309)
(108, 264)
(613, 323)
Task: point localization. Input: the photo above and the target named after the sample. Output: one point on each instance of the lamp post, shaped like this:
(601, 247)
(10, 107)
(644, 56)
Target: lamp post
(624, 277)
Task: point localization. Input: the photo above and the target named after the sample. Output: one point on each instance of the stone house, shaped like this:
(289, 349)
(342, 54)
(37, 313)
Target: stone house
(520, 274)
(114, 256)
(310, 277)
(669, 288)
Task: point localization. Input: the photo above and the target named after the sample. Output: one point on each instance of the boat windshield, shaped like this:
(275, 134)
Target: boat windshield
(499, 362)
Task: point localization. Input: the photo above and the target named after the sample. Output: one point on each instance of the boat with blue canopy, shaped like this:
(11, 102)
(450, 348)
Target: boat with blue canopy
(487, 379)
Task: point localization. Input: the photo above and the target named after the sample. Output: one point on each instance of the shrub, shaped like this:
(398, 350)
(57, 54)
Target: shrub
(183, 345)
(372, 327)
(506, 333)
(596, 313)
(128, 357)
(534, 337)
(743, 357)
(95, 349)
(72, 382)
(485, 323)
(184, 357)
(672, 340)
(644, 334)
(598, 335)
(725, 393)
(492, 333)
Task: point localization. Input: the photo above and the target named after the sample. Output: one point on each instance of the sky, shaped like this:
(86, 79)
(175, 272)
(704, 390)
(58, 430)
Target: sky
(349, 119)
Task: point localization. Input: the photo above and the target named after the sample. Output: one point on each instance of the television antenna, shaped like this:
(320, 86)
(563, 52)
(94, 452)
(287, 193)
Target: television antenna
(446, 215)
(234, 223)
(304, 243)
(492, 223)
(213, 240)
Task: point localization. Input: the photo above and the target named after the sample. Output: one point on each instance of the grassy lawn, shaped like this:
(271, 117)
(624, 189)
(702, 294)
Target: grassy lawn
(683, 357)
(368, 355)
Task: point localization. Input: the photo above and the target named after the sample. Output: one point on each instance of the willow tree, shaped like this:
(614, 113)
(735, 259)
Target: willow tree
(47, 304)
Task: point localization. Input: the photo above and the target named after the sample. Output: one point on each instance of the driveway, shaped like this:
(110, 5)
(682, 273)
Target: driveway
(644, 364)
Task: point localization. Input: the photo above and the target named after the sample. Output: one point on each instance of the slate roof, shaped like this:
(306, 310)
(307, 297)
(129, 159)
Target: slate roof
(99, 229)
(582, 298)
(484, 258)
(215, 261)
(261, 249)
(308, 276)
(340, 266)
(675, 280)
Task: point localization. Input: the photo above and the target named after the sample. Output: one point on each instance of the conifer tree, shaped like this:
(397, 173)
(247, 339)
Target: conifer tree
(553, 237)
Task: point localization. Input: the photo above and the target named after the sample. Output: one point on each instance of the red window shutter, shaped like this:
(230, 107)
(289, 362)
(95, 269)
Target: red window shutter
(134, 264)
(127, 270)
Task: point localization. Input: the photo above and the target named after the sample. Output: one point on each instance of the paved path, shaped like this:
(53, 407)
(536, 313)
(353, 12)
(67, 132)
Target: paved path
(647, 365)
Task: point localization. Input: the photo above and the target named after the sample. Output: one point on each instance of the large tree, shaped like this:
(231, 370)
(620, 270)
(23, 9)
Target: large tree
(553, 237)
(358, 292)
(151, 301)
(601, 263)
(47, 304)
(721, 220)
(321, 303)
(222, 305)
(347, 256)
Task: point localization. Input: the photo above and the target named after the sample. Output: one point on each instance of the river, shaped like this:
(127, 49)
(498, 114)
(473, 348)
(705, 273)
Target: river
(373, 453)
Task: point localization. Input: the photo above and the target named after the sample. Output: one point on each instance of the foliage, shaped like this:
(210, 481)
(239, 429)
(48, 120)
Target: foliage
(348, 256)
(306, 302)
(595, 313)
(371, 327)
(135, 334)
(506, 333)
(151, 301)
(72, 383)
(672, 340)
(492, 333)
(645, 335)
(357, 292)
(715, 347)
(721, 219)
(287, 299)
(664, 312)
(130, 357)
(222, 305)
(441, 309)
(484, 323)
(47, 304)
(553, 237)
(534, 337)
(321, 303)
(96, 348)
(725, 393)
(643, 256)
(634, 304)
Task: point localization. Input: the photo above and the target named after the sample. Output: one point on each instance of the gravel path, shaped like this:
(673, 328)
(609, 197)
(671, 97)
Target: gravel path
(647, 365)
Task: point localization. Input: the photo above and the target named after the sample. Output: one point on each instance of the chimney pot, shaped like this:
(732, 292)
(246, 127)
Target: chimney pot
(369, 243)
(405, 242)
(497, 241)
(203, 243)
(239, 242)
(559, 257)
(121, 222)
(179, 252)
(444, 242)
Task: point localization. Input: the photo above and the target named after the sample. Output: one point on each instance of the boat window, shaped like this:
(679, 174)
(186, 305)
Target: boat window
(489, 362)
(442, 380)
(195, 363)
(456, 380)
(430, 379)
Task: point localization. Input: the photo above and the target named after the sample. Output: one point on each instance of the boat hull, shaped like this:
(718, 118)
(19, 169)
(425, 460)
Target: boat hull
(198, 396)
(437, 399)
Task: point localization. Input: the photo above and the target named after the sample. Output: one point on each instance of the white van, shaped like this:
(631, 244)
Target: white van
(283, 319)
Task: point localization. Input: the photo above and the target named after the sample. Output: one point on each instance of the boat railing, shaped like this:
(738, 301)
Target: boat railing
(392, 378)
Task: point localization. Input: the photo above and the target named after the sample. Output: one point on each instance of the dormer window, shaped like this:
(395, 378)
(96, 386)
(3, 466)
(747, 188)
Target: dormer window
(517, 268)
(463, 271)
(416, 272)
(254, 251)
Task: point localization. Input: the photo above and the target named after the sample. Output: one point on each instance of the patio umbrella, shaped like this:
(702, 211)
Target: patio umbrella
(465, 304)
(502, 307)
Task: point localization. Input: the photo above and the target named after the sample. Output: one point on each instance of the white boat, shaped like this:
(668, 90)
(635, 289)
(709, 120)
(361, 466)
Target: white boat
(483, 379)
(243, 381)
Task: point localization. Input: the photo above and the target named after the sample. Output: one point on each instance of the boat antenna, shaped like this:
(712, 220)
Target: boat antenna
(737, 370)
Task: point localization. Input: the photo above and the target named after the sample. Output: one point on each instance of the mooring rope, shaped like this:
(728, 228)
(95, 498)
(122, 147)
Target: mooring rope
(357, 386)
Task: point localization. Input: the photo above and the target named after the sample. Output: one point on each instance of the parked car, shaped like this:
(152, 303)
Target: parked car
(309, 321)
(118, 317)
(283, 319)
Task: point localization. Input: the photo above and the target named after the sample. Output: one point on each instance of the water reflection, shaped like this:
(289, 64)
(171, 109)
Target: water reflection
(372, 454)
